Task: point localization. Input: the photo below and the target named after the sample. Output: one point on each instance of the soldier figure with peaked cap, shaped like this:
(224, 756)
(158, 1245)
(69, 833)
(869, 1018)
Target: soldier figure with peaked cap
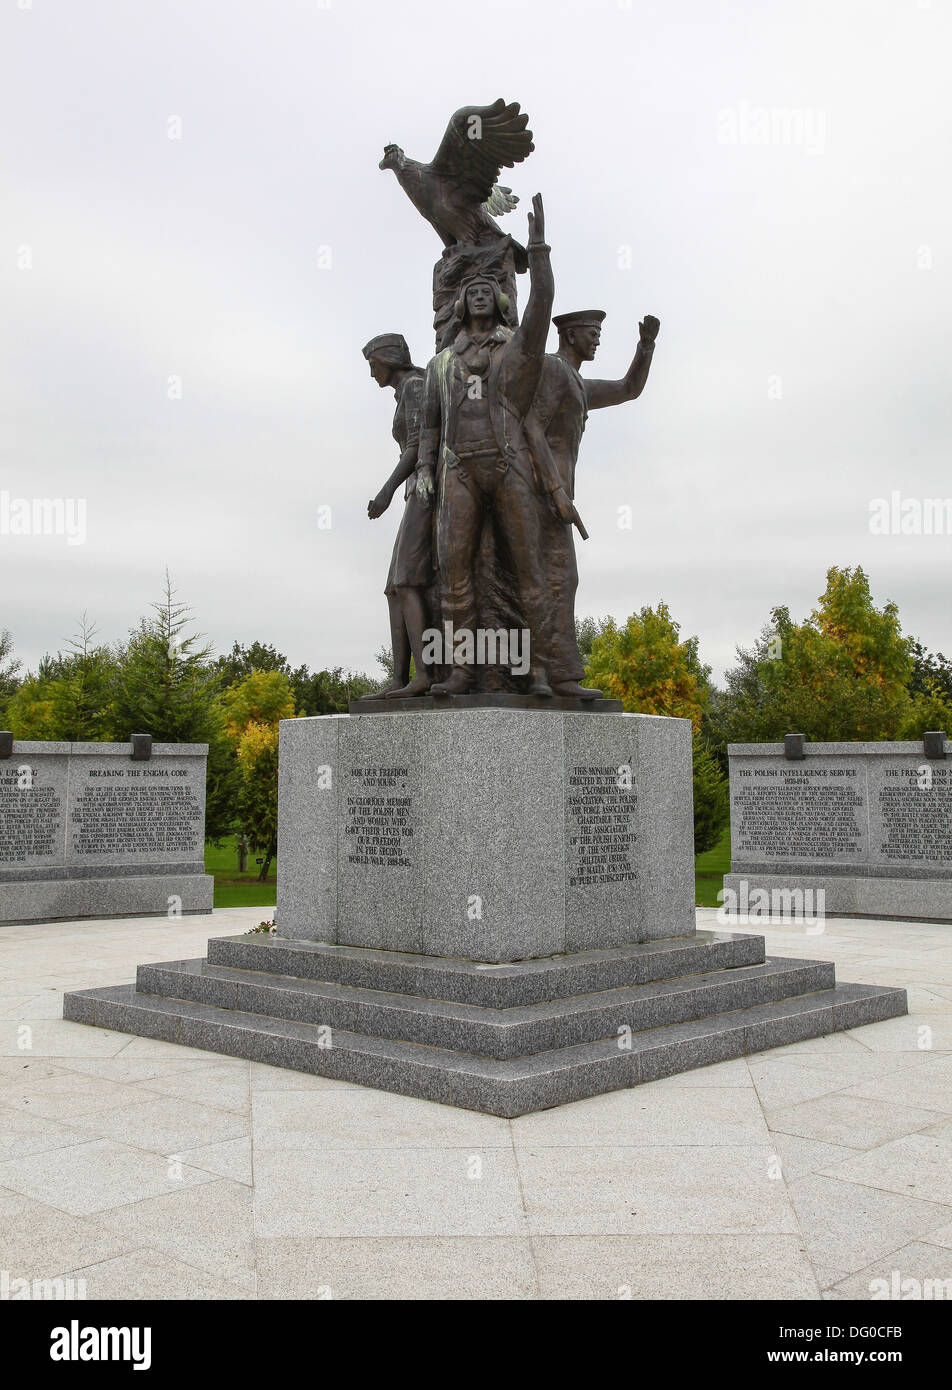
(561, 407)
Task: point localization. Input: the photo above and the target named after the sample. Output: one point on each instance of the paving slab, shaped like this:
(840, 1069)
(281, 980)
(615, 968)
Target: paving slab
(676, 1267)
(91, 1176)
(846, 1225)
(210, 1228)
(678, 1189)
(377, 1192)
(853, 1121)
(435, 1268)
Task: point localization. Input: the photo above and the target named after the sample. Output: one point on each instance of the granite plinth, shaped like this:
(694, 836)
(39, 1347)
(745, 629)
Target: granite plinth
(343, 1019)
(851, 829)
(492, 835)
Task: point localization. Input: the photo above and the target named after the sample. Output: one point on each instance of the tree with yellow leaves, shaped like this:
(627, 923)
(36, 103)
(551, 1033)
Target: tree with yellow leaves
(842, 674)
(647, 666)
(258, 793)
(251, 711)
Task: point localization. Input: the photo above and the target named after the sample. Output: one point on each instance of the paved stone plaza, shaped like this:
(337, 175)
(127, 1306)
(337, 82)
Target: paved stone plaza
(150, 1170)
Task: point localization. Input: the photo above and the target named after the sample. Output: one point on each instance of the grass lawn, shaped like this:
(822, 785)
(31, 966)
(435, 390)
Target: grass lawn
(233, 889)
(709, 871)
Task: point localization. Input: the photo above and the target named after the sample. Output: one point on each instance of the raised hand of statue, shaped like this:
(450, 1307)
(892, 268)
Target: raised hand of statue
(537, 222)
(424, 484)
(380, 503)
(649, 329)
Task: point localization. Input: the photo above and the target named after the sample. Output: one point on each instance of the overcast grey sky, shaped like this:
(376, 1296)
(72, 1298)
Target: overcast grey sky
(770, 179)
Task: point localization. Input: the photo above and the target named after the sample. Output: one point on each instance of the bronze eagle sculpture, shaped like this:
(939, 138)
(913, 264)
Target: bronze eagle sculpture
(457, 191)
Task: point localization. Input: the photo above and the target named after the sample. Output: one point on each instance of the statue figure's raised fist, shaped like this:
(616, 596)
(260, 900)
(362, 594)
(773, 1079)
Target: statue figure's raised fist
(649, 328)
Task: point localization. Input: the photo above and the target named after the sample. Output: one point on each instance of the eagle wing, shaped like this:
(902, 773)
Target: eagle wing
(479, 141)
(501, 200)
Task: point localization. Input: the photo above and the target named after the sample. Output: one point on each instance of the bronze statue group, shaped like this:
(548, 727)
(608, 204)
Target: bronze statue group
(488, 434)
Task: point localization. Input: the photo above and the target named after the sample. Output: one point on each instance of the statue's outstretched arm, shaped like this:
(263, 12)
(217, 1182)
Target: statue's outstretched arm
(598, 394)
(406, 465)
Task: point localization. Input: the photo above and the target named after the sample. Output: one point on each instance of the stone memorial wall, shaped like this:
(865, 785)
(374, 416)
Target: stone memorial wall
(868, 823)
(88, 831)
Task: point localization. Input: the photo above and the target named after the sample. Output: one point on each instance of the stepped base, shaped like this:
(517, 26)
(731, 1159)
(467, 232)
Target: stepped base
(503, 1039)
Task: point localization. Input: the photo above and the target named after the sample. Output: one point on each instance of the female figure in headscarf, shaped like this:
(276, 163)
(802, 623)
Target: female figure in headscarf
(411, 569)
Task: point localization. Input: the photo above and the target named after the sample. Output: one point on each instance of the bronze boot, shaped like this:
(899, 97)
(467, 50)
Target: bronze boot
(576, 691)
(458, 684)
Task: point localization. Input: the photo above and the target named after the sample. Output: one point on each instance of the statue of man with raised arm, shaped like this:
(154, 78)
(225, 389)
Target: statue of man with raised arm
(475, 456)
(561, 408)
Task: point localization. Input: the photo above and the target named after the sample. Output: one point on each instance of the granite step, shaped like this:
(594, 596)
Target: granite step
(505, 1034)
(491, 986)
(498, 1087)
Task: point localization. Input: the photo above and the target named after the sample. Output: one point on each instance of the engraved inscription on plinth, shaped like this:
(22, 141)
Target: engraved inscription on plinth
(600, 808)
(379, 841)
(377, 824)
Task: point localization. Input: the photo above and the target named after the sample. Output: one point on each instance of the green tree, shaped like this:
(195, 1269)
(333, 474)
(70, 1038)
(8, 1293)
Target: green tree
(314, 692)
(69, 697)
(29, 711)
(586, 630)
(9, 680)
(930, 672)
(931, 710)
(328, 692)
(257, 701)
(842, 674)
(384, 659)
(241, 661)
(711, 799)
(261, 697)
(647, 666)
(82, 696)
(167, 686)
